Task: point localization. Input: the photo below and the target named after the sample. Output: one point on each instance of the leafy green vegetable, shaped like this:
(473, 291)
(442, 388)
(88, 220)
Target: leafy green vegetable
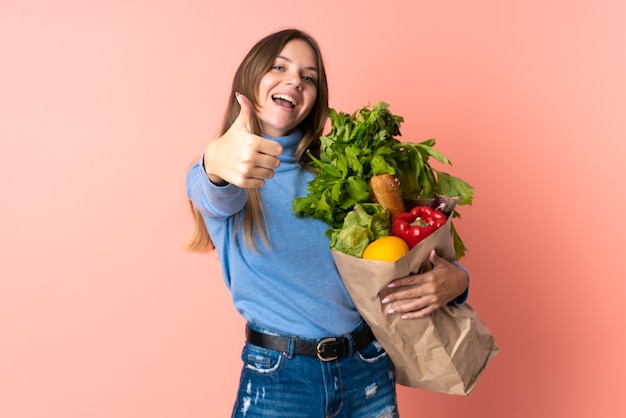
(352, 240)
(361, 145)
(362, 225)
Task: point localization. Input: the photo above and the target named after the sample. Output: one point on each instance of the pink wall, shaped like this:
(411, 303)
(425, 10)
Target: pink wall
(104, 104)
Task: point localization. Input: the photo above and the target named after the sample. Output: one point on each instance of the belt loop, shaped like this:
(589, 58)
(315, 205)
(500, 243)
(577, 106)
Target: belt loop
(291, 347)
(350, 341)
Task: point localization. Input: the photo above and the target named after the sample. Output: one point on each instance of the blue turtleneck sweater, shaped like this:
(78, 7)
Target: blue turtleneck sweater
(293, 286)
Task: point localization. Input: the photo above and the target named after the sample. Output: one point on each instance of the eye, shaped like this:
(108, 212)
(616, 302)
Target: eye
(308, 79)
(278, 67)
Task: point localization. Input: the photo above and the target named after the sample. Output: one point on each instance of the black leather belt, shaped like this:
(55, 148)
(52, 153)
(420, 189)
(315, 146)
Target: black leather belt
(326, 349)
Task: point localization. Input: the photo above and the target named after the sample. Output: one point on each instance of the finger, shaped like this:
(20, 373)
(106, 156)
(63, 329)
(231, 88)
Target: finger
(437, 261)
(253, 178)
(265, 161)
(410, 307)
(270, 147)
(244, 119)
(420, 313)
(261, 173)
(415, 279)
(412, 293)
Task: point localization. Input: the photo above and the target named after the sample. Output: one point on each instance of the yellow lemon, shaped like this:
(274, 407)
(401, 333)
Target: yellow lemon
(389, 248)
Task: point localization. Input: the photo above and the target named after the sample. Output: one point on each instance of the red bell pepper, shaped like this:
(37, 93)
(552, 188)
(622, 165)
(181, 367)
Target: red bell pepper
(417, 224)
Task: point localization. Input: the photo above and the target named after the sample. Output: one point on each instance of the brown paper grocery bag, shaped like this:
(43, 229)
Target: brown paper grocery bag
(445, 352)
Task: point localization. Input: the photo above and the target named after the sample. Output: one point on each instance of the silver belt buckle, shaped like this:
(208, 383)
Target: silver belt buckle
(320, 351)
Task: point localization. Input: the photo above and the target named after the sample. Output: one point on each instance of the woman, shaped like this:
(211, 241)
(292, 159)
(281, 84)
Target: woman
(308, 351)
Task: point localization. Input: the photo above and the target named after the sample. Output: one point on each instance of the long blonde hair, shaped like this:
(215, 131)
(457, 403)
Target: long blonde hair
(254, 66)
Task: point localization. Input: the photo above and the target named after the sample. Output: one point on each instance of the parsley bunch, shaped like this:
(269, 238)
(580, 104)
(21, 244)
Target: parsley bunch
(361, 145)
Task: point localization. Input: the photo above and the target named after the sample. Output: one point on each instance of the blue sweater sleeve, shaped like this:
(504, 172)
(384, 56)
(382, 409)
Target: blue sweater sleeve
(462, 298)
(210, 199)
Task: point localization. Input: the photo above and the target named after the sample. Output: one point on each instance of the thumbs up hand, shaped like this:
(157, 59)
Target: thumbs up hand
(240, 157)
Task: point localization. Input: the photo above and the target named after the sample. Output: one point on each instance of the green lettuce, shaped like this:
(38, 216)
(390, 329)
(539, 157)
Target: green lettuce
(365, 223)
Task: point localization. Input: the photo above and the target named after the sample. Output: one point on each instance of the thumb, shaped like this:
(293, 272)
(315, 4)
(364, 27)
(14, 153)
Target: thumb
(434, 258)
(245, 114)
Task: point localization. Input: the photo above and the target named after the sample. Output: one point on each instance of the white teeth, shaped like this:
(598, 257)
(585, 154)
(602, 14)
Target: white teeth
(286, 98)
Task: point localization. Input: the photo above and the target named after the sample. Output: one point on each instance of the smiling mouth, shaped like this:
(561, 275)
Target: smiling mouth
(284, 100)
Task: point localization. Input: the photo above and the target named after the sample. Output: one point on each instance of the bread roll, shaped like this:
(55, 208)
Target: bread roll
(386, 192)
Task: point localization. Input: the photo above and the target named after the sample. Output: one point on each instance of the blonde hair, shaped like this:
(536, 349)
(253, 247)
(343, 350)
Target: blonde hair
(254, 66)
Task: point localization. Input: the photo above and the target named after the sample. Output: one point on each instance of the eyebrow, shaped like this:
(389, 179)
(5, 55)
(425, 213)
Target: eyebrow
(306, 68)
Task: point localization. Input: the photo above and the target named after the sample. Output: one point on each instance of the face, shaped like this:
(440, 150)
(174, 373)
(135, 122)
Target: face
(287, 92)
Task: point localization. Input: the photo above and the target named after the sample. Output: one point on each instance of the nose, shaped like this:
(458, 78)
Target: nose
(295, 80)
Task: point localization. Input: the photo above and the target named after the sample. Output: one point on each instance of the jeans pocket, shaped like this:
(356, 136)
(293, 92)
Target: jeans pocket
(261, 360)
(373, 353)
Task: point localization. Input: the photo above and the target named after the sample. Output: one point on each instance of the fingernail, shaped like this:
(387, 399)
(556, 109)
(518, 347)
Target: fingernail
(404, 316)
(392, 310)
(392, 284)
(385, 300)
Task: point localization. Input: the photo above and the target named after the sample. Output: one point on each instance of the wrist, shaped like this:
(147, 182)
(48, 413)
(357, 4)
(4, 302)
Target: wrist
(207, 165)
(463, 294)
(464, 281)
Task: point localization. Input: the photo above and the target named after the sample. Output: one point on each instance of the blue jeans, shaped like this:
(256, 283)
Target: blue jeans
(283, 385)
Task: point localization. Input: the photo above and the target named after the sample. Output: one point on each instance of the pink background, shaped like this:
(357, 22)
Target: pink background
(104, 104)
